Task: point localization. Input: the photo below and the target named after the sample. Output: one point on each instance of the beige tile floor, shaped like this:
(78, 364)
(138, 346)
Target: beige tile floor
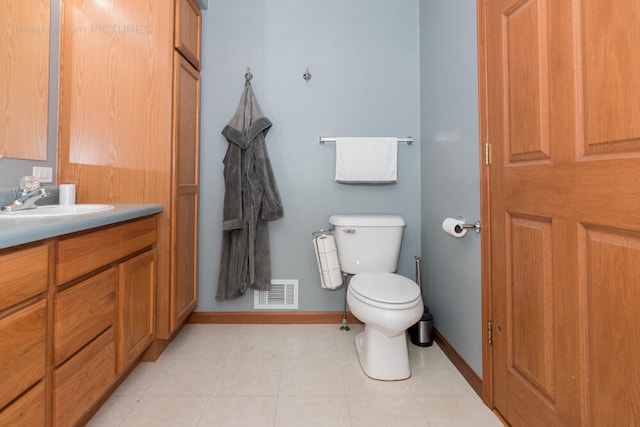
(287, 375)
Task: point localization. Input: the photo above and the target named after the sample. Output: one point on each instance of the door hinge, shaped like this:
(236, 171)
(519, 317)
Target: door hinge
(490, 332)
(487, 153)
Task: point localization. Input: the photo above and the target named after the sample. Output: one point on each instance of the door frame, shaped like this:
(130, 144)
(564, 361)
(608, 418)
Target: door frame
(485, 218)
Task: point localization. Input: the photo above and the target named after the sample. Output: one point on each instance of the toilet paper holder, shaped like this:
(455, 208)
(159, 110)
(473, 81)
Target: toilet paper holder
(465, 226)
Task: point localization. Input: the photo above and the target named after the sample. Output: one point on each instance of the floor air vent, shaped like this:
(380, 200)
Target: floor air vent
(282, 296)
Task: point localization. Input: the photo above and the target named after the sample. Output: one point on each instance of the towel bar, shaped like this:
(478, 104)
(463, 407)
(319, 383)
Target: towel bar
(323, 139)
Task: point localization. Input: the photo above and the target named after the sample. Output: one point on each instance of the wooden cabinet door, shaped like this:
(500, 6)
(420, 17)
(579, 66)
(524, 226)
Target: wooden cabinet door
(563, 117)
(188, 23)
(136, 307)
(184, 248)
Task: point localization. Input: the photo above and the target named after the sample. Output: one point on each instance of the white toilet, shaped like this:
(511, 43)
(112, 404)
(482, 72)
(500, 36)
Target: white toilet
(387, 303)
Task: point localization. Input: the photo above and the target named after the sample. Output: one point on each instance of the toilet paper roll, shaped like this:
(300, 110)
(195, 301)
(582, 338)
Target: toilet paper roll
(67, 194)
(328, 263)
(449, 227)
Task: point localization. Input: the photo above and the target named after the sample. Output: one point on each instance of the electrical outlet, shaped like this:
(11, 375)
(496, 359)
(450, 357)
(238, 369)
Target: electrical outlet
(43, 174)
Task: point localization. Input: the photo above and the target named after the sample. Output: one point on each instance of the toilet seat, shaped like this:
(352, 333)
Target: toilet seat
(385, 290)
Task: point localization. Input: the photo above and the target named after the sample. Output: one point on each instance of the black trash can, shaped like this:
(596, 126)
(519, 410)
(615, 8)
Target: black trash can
(421, 334)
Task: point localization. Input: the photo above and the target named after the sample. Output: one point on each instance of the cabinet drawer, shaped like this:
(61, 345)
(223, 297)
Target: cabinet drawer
(188, 22)
(83, 312)
(28, 411)
(86, 252)
(25, 273)
(80, 382)
(23, 349)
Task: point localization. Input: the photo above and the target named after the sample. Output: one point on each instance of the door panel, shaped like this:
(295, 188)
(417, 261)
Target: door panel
(530, 296)
(612, 290)
(562, 115)
(525, 37)
(610, 75)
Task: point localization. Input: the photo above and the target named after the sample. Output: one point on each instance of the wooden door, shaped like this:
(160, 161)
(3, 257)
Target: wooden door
(186, 123)
(562, 114)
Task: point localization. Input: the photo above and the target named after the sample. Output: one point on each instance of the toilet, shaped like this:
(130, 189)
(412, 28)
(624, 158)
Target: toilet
(387, 303)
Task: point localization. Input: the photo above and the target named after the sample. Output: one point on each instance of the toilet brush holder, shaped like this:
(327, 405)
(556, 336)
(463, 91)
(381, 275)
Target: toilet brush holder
(421, 333)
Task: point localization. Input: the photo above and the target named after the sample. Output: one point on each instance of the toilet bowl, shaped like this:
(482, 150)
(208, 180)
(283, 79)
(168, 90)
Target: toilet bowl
(387, 304)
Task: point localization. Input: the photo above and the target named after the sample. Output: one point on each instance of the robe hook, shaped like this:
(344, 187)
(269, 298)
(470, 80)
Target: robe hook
(248, 75)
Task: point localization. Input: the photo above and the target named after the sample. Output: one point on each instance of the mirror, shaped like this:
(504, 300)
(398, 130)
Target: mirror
(24, 78)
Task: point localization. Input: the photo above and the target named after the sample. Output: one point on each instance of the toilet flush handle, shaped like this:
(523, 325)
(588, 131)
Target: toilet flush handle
(349, 230)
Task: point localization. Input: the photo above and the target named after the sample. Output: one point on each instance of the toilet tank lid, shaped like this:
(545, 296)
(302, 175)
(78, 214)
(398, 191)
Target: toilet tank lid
(367, 220)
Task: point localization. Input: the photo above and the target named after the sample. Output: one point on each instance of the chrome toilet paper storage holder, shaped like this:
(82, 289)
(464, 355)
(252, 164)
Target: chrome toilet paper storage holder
(466, 226)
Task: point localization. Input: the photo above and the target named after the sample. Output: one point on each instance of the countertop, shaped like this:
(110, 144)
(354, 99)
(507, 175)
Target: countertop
(17, 231)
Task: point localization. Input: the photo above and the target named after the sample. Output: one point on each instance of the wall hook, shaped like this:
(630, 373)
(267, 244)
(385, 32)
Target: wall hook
(248, 75)
(307, 75)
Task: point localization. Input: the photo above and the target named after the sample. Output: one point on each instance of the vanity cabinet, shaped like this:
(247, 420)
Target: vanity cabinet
(76, 313)
(104, 312)
(129, 131)
(23, 334)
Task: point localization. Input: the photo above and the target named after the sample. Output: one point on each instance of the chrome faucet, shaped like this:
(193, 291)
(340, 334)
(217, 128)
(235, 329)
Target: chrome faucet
(27, 195)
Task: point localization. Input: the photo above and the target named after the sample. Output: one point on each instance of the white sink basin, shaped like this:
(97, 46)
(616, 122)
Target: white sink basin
(55, 210)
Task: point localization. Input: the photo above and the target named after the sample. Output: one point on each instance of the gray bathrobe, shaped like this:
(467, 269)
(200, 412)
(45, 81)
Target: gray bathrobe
(251, 199)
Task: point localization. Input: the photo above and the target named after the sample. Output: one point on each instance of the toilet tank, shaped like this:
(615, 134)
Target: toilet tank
(368, 243)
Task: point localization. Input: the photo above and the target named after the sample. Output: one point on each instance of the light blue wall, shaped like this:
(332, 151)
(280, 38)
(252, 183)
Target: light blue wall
(364, 59)
(450, 174)
(12, 169)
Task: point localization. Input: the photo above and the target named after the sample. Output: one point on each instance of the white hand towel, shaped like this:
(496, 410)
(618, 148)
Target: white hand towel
(324, 246)
(367, 160)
